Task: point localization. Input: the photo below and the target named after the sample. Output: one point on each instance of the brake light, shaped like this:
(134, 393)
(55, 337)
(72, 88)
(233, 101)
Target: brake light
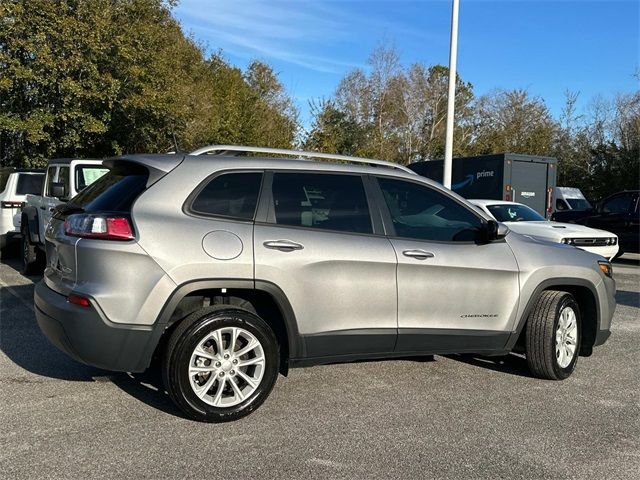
(102, 227)
(11, 204)
(78, 300)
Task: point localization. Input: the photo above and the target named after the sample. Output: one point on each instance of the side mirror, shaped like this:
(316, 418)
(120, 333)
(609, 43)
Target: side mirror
(495, 230)
(57, 190)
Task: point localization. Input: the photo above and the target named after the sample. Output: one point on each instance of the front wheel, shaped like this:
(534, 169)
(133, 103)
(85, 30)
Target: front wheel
(220, 364)
(553, 336)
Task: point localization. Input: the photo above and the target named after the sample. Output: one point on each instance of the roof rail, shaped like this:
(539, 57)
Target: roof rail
(222, 149)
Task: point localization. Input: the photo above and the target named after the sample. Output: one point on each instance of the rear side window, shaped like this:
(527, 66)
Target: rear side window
(323, 201)
(113, 192)
(29, 184)
(232, 195)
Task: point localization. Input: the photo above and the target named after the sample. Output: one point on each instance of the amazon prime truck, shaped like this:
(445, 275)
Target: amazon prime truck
(525, 179)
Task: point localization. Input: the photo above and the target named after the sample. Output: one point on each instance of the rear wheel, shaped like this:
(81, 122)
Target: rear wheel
(553, 336)
(220, 364)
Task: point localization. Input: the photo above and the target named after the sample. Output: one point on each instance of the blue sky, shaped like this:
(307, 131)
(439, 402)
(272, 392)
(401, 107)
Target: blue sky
(546, 47)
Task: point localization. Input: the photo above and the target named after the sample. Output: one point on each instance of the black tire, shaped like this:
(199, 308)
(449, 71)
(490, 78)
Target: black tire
(31, 263)
(184, 340)
(542, 325)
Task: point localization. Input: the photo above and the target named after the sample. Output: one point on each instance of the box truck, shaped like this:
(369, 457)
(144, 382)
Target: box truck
(528, 179)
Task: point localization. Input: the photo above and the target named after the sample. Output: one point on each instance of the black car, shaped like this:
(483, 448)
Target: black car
(618, 213)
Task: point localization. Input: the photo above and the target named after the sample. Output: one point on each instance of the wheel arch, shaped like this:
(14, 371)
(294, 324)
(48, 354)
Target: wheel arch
(29, 218)
(584, 293)
(265, 299)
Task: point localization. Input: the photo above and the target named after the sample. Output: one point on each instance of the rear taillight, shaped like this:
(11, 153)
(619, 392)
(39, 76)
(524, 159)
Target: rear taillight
(103, 227)
(11, 204)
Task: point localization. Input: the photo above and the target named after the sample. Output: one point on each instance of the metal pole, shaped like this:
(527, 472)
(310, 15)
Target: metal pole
(451, 99)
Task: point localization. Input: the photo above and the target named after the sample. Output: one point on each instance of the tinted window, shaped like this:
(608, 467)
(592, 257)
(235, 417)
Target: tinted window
(114, 191)
(579, 203)
(63, 177)
(327, 202)
(423, 213)
(619, 204)
(4, 177)
(29, 184)
(86, 175)
(561, 205)
(230, 195)
(514, 213)
(51, 177)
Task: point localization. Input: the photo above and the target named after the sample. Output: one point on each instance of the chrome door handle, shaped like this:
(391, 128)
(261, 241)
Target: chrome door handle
(418, 254)
(283, 245)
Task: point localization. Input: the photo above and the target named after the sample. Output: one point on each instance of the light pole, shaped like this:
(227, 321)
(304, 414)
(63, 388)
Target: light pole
(451, 99)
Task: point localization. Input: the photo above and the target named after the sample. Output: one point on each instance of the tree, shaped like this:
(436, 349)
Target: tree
(100, 77)
(513, 121)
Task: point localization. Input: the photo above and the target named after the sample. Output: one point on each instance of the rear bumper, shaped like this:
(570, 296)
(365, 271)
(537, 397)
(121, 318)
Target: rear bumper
(85, 335)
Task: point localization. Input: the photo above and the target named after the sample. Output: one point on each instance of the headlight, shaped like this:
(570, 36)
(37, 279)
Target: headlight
(606, 268)
(567, 241)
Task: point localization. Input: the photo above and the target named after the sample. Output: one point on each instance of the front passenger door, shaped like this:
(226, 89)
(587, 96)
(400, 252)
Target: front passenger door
(454, 293)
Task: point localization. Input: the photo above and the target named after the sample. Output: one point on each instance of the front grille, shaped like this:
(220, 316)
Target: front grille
(591, 242)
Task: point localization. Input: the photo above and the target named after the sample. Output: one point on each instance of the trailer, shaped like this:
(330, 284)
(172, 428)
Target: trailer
(528, 179)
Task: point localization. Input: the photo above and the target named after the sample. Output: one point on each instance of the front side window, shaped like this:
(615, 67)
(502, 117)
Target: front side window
(322, 201)
(507, 212)
(232, 195)
(423, 213)
(561, 205)
(619, 204)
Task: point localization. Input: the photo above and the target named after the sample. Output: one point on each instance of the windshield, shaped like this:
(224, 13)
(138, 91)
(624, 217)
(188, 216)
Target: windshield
(578, 203)
(29, 183)
(514, 213)
(113, 192)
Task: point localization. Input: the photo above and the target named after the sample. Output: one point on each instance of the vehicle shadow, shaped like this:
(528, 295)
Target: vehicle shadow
(512, 363)
(630, 299)
(627, 260)
(22, 342)
(148, 388)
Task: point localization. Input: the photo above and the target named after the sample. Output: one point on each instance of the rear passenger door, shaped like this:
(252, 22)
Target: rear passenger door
(319, 243)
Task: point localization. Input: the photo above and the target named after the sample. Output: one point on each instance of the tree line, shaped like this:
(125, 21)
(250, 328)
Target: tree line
(94, 78)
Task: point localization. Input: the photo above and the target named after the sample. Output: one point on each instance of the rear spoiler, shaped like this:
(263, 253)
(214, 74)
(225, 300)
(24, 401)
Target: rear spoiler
(157, 165)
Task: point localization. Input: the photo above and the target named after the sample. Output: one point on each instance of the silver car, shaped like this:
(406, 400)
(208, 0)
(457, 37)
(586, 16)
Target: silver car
(230, 269)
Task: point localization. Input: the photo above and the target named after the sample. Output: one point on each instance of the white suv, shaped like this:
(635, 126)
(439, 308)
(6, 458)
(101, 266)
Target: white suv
(15, 185)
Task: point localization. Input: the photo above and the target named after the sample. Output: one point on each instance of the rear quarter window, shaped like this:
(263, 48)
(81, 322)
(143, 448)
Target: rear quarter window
(233, 195)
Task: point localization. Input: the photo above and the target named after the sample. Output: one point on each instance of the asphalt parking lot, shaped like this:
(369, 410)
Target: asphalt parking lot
(449, 417)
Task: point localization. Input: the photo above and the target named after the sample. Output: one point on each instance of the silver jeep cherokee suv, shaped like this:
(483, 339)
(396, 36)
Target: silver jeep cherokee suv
(230, 269)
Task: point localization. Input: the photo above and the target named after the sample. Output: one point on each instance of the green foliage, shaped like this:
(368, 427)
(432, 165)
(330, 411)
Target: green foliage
(100, 77)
